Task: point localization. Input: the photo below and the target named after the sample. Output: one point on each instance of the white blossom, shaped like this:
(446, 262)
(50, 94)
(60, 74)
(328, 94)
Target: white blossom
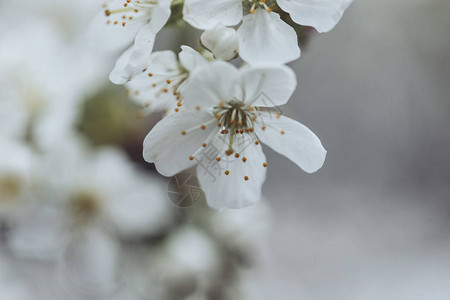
(221, 128)
(89, 202)
(157, 89)
(123, 21)
(263, 36)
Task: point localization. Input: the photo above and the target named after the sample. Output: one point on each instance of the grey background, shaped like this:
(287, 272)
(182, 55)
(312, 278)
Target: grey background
(374, 222)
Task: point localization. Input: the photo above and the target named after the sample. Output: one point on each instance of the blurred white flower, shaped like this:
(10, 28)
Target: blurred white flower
(158, 87)
(263, 36)
(188, 256)
(90, 201)
(242, 230)
(44, 80)
(222, 41)
(222, 128)
(121, 22)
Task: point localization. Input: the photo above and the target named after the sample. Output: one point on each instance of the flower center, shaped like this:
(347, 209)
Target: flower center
(235, 122)
(235, 118)
(84, 205)
(10, 187)
(252, 5)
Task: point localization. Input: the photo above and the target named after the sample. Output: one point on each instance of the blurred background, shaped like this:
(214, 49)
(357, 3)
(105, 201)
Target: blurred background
(82, 217)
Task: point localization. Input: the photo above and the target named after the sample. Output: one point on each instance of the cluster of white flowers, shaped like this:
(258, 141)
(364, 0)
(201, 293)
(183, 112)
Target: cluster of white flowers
(101, 222)
(218, 114)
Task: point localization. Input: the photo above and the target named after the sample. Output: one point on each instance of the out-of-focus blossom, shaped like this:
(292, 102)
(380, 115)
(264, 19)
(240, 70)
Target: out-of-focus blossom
(241, 230)
(187, 263)
(91, 200)
(44, 80)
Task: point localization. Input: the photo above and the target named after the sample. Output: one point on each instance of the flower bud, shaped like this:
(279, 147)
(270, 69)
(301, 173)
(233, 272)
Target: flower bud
(221, 41)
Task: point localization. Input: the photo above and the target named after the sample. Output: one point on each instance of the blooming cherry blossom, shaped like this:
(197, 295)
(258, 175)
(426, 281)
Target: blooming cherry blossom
(263, 36)
(227, 114)
(158, 87)
(122, 21)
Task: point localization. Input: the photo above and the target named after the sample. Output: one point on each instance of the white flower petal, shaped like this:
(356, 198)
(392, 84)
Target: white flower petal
(136, 58)
(242, 186)
(268, 86)
(169, 148)
(222, 41)
(211, 84)
(191, 59)
(149, 90)
(104, 35)
(293, 140)
(120, 74)
(320, 14)
(205, 14)
(265, 39)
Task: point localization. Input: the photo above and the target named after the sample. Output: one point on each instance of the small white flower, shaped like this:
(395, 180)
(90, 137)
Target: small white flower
(222, 41)
(92, 192)
(123, 21)
(224, 140)
(263, 36)
(158, 87)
